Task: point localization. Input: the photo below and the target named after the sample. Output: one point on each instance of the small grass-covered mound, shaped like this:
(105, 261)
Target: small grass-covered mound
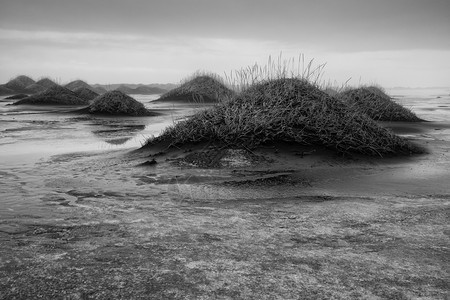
(19, 83)
(76, 84)
(56, 95)
(17, 97)
(46, 83)
(286, 110)
(85, 93)
(375, 103)
(200, 87)
(117, 103)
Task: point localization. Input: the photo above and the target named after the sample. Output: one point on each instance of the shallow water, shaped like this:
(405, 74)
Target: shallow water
(46, 153)
(429, 104)
(28, 134)
(31, 137)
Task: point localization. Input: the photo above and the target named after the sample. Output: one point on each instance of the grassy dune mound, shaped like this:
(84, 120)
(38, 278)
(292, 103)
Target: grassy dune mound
(377, 105)
(117, 103)
(34, 88)
(199, 88)
(85, 93)
(19, 83)
(5, 91)
(56, 95)
(46, 83)
(286, 110)
(76, 84)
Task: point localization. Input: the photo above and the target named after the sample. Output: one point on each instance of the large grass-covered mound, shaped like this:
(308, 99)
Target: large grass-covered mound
(117, 103)
(85, 93)
(201, 88)
(55, 95)
(286, 110)
(373, 102)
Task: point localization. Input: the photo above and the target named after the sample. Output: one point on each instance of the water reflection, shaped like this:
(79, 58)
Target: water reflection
(116, 132)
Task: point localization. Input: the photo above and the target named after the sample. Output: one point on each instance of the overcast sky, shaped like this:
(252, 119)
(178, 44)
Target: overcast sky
(388, 42)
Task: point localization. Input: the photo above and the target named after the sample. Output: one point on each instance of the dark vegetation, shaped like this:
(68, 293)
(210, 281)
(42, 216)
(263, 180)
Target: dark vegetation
(46, 83)
(80, 84)
(200, 87)
(285, 109)
(55, 95)
(26, 85)
(117, 103)
(85, 93)
(375, 103)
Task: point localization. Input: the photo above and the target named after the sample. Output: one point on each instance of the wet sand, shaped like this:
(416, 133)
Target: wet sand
(206, 223)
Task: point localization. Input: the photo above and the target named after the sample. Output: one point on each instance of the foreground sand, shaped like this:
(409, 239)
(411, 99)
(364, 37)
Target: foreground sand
(277, 223)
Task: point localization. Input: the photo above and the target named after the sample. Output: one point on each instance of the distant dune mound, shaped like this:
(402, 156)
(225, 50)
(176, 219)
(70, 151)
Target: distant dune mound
(98, 89)
(76, 84)
(202, 88)
(375, 103)
(46, 83)
(117, 103)
(85, 93)
(286, 110)
(34, 88)
(17, 97)
(5, 91)
(19, 83)
(55, 95)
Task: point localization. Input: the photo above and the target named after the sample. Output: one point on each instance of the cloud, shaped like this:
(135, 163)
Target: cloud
(346, 25)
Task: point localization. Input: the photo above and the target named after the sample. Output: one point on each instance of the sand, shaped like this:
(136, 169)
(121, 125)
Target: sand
(207, 223)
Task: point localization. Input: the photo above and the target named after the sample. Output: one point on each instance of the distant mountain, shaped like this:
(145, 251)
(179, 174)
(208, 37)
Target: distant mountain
(147, 90)
(153, 88)
(99, 89)
(124, 89)
(142, 90)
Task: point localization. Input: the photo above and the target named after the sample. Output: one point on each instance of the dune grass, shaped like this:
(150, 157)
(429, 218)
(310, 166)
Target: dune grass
(285, 107)
(199, 87)
(117, 103)
(85, 93)
(375, 103)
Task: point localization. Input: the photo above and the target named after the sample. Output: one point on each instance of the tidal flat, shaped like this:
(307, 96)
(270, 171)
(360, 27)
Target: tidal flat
(82, 218)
